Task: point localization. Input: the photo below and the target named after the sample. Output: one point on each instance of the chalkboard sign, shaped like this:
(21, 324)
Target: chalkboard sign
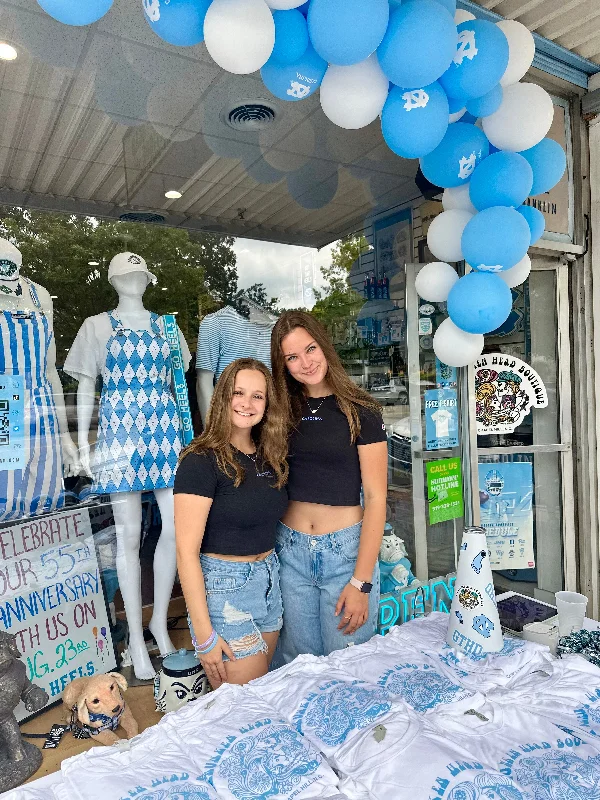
(51, 599)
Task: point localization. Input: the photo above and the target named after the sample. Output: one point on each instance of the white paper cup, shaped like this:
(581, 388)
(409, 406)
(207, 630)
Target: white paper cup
(571, 608)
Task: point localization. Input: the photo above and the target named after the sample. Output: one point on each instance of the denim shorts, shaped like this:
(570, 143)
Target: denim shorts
(244, 601)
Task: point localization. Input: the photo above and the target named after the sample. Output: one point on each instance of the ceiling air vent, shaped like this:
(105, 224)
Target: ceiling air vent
(141, 216)
(250, 117)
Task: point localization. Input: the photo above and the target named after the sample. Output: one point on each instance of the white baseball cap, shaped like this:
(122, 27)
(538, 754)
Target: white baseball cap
(124, 263)
(8, 252)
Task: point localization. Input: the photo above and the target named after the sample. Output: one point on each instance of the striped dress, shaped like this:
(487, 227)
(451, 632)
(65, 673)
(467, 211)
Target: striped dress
(226, 336)
(37, 488)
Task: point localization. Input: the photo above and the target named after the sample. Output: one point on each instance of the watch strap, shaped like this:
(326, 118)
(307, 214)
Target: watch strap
(362, 586)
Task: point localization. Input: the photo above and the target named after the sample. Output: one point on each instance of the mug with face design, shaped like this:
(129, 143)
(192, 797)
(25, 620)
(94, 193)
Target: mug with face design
(181, 680)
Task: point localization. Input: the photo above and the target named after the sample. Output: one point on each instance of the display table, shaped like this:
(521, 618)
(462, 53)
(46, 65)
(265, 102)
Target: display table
(402, 717)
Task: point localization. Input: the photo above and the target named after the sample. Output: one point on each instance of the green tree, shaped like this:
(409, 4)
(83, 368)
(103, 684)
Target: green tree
(258, 293)
(339, 302)
(196, 273)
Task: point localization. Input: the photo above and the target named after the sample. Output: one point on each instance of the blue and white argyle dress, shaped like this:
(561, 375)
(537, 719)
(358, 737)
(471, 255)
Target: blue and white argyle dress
(139, 437)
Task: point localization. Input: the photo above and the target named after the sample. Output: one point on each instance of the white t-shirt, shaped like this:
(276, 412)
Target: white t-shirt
(87, 356)
(326, 705)
(442, 420)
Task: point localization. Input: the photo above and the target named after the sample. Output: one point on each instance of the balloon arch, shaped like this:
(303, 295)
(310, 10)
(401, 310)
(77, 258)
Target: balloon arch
(448, 90)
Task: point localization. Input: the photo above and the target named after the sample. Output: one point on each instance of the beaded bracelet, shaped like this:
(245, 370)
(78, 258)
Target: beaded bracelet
(207, 648)
(206, 643)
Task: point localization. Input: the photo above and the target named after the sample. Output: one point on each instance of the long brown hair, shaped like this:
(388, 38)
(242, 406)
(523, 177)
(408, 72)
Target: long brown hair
(269, 436)
(291, 392)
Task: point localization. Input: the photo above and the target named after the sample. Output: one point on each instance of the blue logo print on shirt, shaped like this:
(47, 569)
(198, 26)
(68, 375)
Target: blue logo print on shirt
(339, 708)
(485, 786)
(557, 775)
(181, 791)
(422, 688)
(267, 764)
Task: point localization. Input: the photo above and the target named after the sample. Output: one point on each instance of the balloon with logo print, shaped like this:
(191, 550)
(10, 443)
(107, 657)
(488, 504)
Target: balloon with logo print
(454, 160)
(479, 62)
(291, 36)
(179, 22)
(344, 32)
(548, 161)
(76, 12)
(419, 44)
(293, 82)
(502, 179)
(414, 121)
(495, 239)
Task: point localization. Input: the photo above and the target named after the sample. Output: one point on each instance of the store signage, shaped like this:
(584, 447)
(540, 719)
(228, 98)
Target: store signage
(12, 422)
(52, 601)
(179, 382)
(444, 490)
(505, 498)
(441, 419)
(396, 608)
(445, 376)
(506, 389)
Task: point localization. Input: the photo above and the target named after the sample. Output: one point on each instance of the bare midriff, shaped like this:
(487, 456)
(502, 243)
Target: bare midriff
(317, 519)
(243, 559)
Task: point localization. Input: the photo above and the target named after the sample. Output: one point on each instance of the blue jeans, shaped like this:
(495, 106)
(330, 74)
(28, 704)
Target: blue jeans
(244, 601)
(313, 572)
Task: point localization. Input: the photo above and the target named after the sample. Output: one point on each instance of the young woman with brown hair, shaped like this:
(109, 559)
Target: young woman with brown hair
(328, 546)
(229, 494)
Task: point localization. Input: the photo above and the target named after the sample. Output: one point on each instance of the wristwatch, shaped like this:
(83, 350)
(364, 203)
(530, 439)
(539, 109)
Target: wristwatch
(362, 586)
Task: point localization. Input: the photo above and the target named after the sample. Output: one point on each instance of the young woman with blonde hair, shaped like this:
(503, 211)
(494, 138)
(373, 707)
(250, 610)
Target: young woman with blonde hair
(229, 494)
(328, 546)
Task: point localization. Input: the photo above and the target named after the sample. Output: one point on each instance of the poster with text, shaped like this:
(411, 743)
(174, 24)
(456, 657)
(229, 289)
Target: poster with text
(505, 498)
(441, 419)
(51, 600)
(444, 490)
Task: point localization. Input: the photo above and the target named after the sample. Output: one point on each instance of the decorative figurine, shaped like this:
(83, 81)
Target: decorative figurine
(18, 759)
(97, 708)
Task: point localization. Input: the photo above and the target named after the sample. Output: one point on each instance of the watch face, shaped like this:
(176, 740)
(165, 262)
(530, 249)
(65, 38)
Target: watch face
(366, 587)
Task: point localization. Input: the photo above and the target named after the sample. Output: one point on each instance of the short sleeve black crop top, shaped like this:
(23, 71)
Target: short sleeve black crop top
(324, 465)
(242, 520)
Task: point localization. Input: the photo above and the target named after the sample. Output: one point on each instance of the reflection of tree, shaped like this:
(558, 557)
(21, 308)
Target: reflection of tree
(197, 270)
(338, 303)
(258, 294)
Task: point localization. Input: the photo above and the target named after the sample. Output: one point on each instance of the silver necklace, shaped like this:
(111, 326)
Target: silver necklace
(252, 457)
(313, 412)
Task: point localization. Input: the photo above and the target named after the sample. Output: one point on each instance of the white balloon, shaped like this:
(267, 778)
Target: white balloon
(284, 5)
(463, 16)
(523, 119)
(352, 97)
(455, 347)
(458, 197)
(457, 115)
(521, 50)
(239, 34)
(435, 280)
(518, 274)
(445, 233)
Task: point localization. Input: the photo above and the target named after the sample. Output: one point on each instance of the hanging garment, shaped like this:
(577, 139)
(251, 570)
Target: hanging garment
(37, 487)
(139, 431)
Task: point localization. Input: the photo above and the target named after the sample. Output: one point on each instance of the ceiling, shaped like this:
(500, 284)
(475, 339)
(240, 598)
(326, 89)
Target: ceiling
(103, 120)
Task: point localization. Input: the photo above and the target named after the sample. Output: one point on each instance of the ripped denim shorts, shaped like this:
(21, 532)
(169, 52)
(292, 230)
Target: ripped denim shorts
(244, 601)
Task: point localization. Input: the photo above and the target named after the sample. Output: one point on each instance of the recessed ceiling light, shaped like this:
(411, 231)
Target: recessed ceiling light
(53, 297)
(7, 52)
(172, 194)
(164, 289)
(93, 263)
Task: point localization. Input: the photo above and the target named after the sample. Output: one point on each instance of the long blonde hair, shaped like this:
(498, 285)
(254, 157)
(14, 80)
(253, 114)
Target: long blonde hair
(291, 393)
(269, 436)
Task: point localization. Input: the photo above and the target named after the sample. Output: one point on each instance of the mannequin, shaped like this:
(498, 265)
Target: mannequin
(29, 350)
(225, 336)
(138, 438)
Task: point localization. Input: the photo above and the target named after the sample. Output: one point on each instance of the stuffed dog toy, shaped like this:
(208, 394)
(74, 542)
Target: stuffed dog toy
(97, 707)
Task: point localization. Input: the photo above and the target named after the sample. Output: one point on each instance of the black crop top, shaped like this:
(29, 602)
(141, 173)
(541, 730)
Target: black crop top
(241, 522)
(324, 465)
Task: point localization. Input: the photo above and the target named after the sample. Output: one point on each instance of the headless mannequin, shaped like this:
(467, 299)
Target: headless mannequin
(205, 378)
(15, 296)
(127, 507)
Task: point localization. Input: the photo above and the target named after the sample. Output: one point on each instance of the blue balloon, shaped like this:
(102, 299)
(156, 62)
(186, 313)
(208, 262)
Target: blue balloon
(344, 32)
(454, 106)
(304, 8)
(479, 302)
(549, 162)
(419, 45)
(449, 5)
(479, 61)
(291, 36)
(294, 82)
(180, 22)
(414, 121)
(495, 239)
(453, 161)
(502, 179)
(535, 220)
(76, 12)
(486, 105)
(469, 118)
